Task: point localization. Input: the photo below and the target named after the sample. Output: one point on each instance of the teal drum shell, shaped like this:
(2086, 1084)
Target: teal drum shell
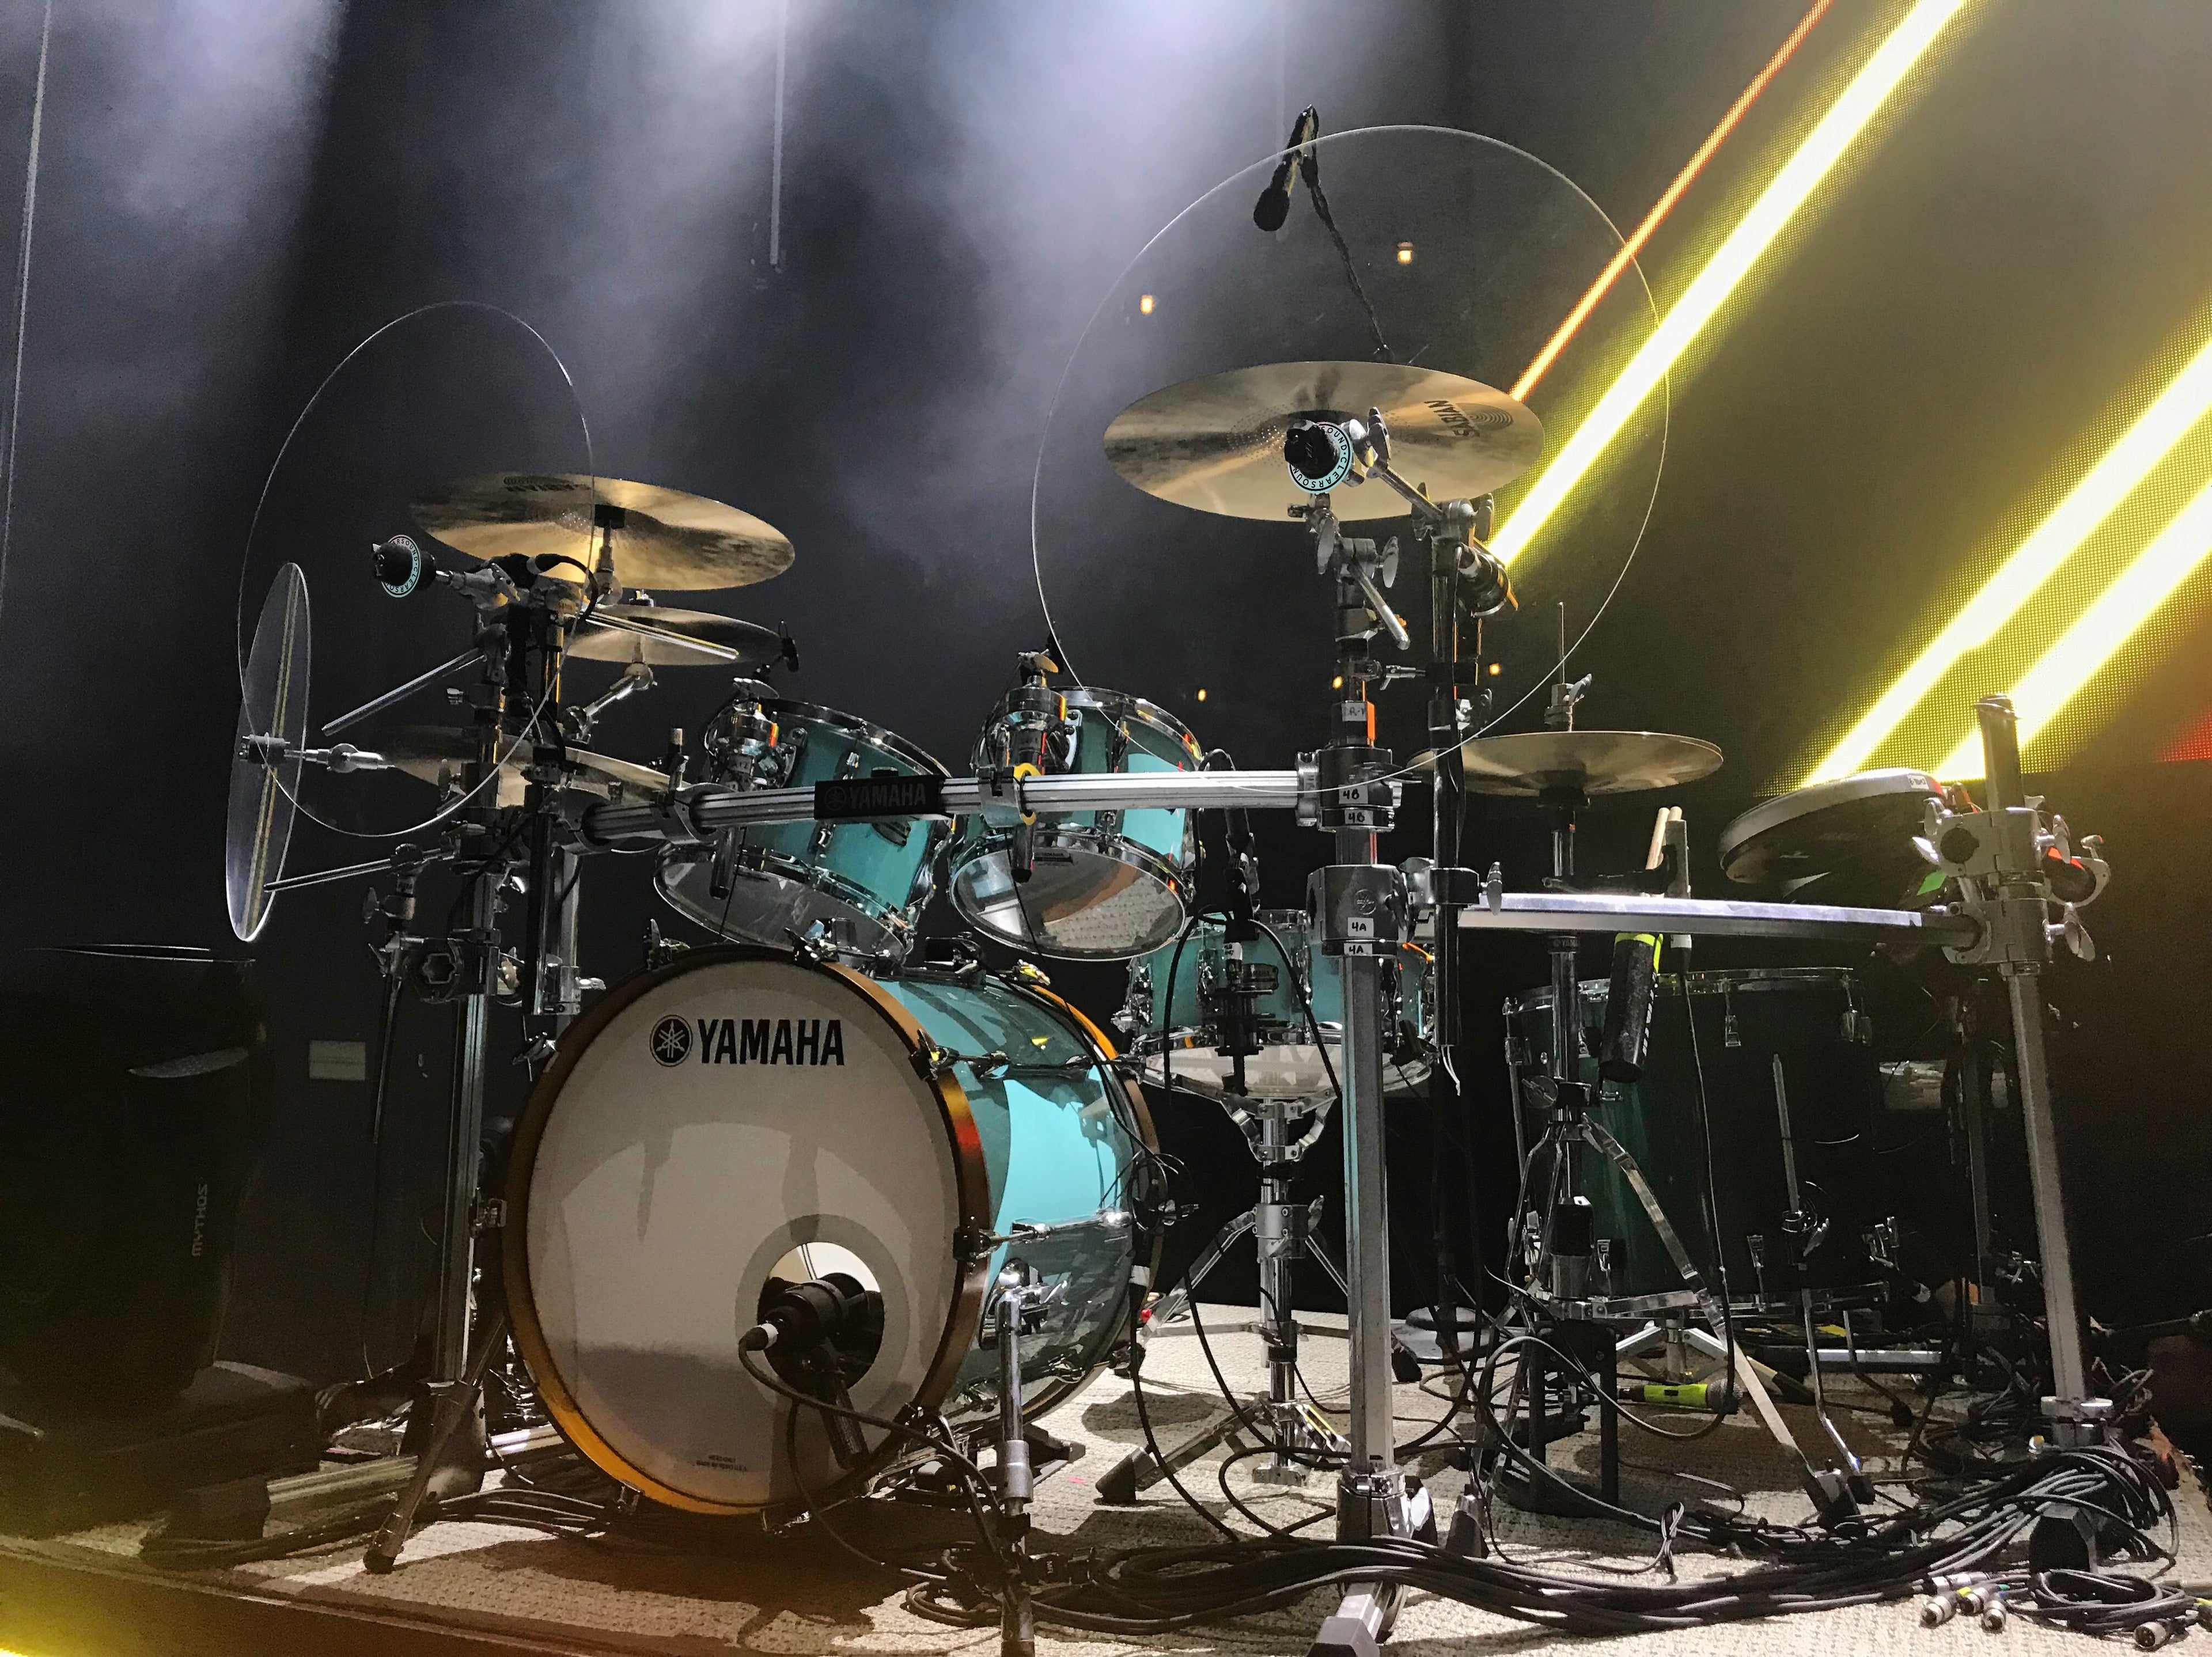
(1103, 885)
(865, 884)
(1063, 1139)
(1809, 1019)
(1171, 1013)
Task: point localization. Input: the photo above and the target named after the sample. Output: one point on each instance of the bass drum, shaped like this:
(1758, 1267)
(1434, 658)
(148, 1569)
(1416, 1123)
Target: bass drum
(738, 1120)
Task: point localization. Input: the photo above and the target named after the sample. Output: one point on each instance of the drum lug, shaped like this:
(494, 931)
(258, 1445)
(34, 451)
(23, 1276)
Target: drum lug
(487, 1214)
(932, 1063)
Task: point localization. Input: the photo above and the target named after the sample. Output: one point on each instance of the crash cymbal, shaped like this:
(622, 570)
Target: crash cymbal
(1217, 443)
(737, 644)
(663, 538)
(1588, 762)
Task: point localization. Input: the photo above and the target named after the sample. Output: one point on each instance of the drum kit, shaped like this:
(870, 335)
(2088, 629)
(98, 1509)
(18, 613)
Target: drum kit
(930, 1191)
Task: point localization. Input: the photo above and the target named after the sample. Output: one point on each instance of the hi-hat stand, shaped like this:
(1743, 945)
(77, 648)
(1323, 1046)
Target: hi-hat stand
(1291, 1428)
(523, 621)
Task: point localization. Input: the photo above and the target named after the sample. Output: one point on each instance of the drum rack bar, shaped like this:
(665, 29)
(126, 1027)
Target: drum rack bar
(1574, 911)
(707, 810)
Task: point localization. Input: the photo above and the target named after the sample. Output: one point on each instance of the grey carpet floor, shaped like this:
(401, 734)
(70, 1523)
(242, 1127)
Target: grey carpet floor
(797, 1593)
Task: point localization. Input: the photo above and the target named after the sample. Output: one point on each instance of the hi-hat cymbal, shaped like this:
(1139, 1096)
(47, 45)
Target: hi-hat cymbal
(1217, 443)
(663, 538)
(440, 755)
(1588, 763)
(736, 643)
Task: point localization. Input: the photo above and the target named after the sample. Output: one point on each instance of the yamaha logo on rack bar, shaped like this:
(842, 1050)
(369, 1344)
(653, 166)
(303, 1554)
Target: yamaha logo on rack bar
(750, 1041)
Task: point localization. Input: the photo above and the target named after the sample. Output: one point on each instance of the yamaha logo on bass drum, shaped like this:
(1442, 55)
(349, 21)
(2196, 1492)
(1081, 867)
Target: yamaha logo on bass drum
(750, 1040)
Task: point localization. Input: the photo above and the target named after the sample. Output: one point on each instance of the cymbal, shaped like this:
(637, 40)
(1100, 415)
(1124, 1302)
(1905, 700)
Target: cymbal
(663, 538)
(1217, 443)
(598, 641)
(1590, 762)
(438, 754)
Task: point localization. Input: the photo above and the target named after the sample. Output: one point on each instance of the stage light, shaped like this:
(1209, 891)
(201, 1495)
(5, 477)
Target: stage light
(1497, 668)
(1724, 271)
(1405, 252)
(1629, 249)
(1337, 684)
(1144, 304)
(1201, 694)
(2045, 688)
(2169, 417)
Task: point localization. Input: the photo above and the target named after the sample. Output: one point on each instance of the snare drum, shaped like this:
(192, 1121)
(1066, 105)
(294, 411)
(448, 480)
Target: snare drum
(740, 1120)
(1179, 1032)
(1101, 885)
(1807, 1022)
(865, 883)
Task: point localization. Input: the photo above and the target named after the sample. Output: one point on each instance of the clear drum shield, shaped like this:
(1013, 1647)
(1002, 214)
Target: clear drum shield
(448, 392)
(1459, 254)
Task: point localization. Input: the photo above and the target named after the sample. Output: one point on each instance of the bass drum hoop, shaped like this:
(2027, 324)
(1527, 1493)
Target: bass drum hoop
(1047, 1397)
(972, 1182)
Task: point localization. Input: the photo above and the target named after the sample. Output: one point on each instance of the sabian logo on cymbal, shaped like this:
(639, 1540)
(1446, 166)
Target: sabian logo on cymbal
(750, 1041)
(1460, 423)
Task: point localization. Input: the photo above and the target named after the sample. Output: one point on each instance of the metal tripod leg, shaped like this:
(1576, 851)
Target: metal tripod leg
(455, 1402)
(1748, 1377)
(1176, 1303)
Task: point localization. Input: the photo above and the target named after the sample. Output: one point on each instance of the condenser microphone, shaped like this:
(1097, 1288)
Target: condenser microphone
(1274, 203)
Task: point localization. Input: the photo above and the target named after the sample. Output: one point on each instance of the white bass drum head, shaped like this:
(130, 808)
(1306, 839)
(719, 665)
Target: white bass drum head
(703, 1124)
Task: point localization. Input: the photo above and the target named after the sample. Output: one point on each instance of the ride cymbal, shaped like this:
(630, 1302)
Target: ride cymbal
(1588, 763)
(1217, 443)
(613, 632)
(662, 538)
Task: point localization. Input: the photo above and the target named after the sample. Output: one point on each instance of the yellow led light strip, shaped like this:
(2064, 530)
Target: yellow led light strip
(1629, 249)
(2085, 646)
(1776, 206)
(2169, 418)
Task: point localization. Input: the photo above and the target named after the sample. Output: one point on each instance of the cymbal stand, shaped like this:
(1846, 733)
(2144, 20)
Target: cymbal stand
(529, 627)
(1359, 911)
(2006, 862)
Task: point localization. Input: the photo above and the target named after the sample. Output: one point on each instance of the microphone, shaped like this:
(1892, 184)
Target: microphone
(1274, 203)
(1628, 1006)
(399, 565)
(807, 1315)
